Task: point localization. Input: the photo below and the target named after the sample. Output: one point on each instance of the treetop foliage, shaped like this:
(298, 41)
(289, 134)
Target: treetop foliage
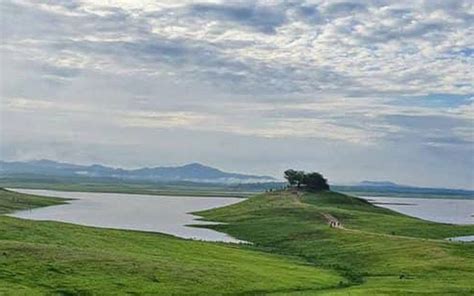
(311, 181)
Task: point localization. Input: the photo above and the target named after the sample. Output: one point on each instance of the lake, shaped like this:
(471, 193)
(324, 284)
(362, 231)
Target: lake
(154, 213)
(452, 211)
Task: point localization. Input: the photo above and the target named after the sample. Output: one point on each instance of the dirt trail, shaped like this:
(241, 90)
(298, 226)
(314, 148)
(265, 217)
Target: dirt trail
(332, 221)
(335, 223)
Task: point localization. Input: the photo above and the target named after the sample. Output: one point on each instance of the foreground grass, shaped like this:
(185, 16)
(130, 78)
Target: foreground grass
(379, 252)
(38, 258)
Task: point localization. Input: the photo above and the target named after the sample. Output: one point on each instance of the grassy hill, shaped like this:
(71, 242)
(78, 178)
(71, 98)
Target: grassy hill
(378, 251)
(375, 252)
(38, 258)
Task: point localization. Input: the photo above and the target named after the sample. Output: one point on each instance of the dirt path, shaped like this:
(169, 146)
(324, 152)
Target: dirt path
(332, 221)
(335, 223)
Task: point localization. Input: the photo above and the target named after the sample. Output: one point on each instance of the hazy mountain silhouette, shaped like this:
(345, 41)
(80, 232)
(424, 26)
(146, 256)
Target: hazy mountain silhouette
(194, 172)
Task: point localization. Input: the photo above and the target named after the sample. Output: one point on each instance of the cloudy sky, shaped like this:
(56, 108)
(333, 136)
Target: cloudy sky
(378, 90)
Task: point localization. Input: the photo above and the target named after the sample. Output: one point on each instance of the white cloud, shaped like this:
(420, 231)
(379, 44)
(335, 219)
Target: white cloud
(351, 48)
(334, 72)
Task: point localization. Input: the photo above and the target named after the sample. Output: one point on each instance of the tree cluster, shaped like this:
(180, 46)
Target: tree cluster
(311, 181)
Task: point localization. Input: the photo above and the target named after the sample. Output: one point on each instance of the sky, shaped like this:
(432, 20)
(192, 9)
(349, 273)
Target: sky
(357, 90)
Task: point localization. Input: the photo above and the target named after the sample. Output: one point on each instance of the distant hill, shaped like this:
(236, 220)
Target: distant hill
(193, 172)
(387, 188)
(380, 184)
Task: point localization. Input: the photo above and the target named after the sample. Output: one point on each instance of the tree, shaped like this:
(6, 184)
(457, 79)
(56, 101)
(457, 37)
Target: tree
(315, 182)
(294, 177)
(290, 176)
(311, 181)
(299, 178)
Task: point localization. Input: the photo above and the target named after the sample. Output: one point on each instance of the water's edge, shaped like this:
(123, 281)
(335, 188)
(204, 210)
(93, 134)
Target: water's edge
(452, 211)
(149, 213)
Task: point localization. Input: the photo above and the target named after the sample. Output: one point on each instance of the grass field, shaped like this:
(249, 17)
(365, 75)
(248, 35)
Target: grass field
(38, 258)
(378, 252)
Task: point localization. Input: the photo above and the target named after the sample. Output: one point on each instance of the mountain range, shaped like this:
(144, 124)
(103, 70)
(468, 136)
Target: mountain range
(194, 172)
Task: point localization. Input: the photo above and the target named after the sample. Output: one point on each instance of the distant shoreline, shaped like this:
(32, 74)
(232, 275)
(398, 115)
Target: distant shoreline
(176, 193)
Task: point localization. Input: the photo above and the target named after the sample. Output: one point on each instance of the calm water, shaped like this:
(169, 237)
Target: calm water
(453, 211)
(468, 238)
(166, 214)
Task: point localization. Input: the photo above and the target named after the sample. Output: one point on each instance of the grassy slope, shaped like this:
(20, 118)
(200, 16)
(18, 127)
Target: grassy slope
(39, 258)
(375, 248)
(13, 201)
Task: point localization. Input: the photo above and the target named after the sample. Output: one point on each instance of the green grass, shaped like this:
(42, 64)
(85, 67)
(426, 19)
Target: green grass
(295, 252)
(38, 258)
(12, 201)
(375, 249)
